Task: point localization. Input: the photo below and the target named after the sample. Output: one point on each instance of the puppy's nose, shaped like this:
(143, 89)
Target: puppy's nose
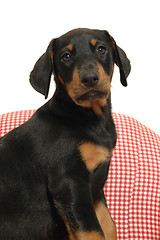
(89, 79)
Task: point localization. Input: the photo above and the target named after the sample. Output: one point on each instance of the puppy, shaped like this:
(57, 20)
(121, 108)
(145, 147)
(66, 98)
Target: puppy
(53, 167)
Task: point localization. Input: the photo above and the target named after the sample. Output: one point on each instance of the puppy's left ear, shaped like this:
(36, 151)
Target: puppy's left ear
(121, 61)
(41, 74)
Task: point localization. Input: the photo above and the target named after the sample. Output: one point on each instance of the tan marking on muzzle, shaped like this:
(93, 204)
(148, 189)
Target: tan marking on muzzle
(60, 78)
(76, 89)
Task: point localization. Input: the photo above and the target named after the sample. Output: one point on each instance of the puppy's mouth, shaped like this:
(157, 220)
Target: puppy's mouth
(92, 95)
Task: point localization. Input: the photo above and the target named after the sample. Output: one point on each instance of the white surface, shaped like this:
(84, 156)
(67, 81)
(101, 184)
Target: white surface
(28, 26)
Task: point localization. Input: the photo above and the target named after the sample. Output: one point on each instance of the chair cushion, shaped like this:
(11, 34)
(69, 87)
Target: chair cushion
(132, 189)
(11, 120)
(133, 186)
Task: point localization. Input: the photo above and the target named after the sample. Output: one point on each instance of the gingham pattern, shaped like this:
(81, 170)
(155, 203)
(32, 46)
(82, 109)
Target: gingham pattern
(11, 120)
(132, 190)
(133, 186)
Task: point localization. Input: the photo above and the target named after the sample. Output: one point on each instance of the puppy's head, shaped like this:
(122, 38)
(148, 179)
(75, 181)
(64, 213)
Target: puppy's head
(82, 61)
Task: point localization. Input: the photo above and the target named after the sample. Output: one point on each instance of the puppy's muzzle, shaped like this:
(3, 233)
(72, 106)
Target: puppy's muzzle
(89, 78)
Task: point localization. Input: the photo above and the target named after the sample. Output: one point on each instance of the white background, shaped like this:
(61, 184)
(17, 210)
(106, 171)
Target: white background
(26, 28)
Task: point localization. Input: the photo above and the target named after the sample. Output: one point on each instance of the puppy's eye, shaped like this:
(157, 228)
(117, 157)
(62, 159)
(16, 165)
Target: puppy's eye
(66, 57)
(101, 50)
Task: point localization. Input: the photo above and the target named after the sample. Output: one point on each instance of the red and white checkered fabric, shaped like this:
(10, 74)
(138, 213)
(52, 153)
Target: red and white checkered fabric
(11, 120)
(133, 186)
(132, 190)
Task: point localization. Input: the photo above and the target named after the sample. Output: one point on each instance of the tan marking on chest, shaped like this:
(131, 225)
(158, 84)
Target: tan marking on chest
(93, 155)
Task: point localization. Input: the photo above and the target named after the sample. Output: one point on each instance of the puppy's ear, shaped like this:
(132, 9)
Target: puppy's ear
(121, 61)
(41, 74)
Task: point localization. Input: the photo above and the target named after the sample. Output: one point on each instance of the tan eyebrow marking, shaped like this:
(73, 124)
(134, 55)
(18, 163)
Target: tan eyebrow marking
(70, 47)
(93, 42)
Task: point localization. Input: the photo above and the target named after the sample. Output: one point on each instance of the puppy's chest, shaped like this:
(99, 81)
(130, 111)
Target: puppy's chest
(93, 154)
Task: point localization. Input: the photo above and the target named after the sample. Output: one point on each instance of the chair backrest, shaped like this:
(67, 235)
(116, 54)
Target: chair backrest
(132, 189)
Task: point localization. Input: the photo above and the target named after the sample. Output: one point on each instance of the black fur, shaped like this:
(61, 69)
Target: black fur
(44, 183)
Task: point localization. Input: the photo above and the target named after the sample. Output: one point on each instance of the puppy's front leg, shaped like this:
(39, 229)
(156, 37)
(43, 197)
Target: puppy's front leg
(74, 202)
(105, 220)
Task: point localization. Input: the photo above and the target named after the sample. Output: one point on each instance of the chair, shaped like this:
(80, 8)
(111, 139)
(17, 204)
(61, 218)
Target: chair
(132, 189)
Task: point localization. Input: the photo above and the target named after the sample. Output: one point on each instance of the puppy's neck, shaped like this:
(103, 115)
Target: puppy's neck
(63, 105)
(98, 106)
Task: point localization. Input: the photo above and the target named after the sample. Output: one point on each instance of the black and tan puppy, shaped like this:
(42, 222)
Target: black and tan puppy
(53, 168)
